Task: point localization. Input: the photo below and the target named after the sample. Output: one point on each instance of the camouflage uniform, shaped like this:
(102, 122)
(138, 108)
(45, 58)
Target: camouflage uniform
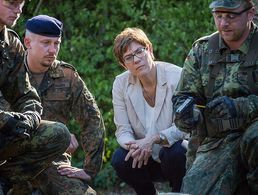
(225, 162)
(23, 159)
(64, 96)
(3, 103)
(256, 12)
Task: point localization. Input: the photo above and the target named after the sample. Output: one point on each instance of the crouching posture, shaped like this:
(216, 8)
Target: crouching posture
(220, 75)
(150, 143)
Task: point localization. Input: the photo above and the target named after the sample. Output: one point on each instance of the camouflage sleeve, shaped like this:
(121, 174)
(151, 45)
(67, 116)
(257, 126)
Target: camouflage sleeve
(87, 114)
(4, 105)
(190, 83)
(249, 106)
(16, 88)
(256, 12)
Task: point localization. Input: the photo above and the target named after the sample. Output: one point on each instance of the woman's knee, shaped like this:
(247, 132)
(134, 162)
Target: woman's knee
(174, 153)
(118, 158)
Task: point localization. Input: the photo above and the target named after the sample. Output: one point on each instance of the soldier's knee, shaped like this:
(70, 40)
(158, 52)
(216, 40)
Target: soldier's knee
(249, 144)
(250, 136)
(55, 134)
(62, 134)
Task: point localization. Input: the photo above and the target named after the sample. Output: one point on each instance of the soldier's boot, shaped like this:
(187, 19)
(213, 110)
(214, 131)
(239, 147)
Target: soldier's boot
(4, 186)
(37, 192)
(90, 191)
(1, 188)
(22, 189)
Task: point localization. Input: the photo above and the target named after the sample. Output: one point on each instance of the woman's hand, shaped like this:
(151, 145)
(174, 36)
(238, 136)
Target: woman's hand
(140, 150)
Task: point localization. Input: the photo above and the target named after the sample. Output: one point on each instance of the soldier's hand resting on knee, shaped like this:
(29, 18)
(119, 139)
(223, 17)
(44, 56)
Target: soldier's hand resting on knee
(69, 171)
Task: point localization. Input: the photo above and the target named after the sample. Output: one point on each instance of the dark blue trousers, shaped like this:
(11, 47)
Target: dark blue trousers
(171, 169)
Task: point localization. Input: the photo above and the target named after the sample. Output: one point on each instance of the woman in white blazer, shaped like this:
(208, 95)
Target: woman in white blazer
(151, 147)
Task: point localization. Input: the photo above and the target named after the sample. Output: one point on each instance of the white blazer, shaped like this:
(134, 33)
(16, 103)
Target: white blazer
(128, 104)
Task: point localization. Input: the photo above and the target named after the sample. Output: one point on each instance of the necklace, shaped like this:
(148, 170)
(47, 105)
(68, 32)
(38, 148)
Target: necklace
(149, 98)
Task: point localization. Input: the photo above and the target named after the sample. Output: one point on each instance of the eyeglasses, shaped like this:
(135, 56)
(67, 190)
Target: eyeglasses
(230, 16)
(139, 53)
(13, 4)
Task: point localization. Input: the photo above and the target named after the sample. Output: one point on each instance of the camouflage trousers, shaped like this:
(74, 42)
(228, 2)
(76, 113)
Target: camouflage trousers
(50, 182)
(226, 166)
(25, 159)
(193, 145)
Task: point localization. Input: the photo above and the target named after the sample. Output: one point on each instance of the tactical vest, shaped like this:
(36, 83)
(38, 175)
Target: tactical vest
(215, 61)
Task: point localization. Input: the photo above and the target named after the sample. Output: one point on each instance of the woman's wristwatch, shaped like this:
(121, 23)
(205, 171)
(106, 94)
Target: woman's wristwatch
(162, 140)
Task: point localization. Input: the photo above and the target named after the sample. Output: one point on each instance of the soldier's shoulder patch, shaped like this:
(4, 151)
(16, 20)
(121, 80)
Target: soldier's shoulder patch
(201, 40)
(13, 33)
(67, 65)
(204, 39)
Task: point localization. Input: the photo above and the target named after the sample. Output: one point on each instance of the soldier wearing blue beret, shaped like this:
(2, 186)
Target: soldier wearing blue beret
(220, 74)
(64, 97)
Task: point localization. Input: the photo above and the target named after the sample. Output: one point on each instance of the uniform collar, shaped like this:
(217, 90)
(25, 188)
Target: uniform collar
(4, 36)
(55, 71)
(245, 46)
(222, 45)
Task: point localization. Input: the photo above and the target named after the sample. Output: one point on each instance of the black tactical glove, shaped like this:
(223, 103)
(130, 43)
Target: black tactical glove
(225, 114)
(222, 107)
(17, 127)
(187, 116)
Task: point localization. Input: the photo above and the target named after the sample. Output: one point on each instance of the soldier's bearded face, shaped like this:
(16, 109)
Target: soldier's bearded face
(44, 50)
(233, 25)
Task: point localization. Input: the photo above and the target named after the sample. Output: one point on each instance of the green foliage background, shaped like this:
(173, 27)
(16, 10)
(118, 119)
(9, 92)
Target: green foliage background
(89, 30)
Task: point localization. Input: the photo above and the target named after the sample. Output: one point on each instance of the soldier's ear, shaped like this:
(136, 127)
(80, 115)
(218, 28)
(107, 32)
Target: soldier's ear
(251, 14)
(27, 42)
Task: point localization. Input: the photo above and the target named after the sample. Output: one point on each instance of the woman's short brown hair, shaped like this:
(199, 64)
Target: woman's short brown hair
(125, 38)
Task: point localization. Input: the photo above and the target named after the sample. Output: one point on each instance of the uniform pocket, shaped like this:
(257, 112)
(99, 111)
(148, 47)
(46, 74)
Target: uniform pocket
(242, 77)
(57, 95)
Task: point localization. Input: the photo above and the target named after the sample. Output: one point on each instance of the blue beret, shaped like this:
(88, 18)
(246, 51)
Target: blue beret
(45, 25)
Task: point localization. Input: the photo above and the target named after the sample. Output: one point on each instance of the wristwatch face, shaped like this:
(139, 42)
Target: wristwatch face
(163, 139)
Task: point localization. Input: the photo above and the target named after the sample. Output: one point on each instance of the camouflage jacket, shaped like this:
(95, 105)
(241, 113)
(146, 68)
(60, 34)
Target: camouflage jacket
(14, 80)
(64, 96)
(256, 12)
(231, 80)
